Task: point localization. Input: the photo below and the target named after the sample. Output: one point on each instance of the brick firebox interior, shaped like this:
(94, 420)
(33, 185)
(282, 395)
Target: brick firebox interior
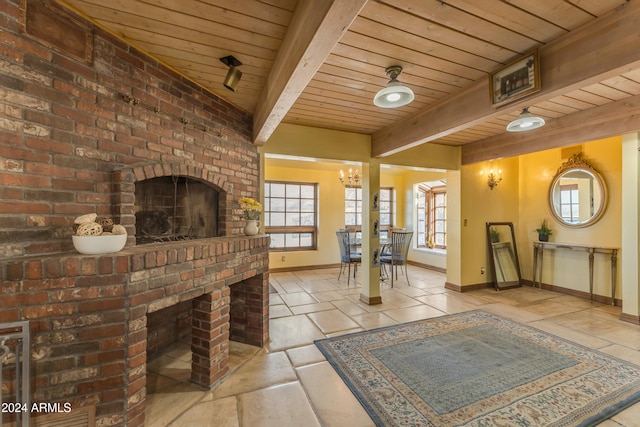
(78, 129)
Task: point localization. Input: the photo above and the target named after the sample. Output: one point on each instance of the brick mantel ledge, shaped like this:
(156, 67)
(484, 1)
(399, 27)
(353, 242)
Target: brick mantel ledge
(130, 259)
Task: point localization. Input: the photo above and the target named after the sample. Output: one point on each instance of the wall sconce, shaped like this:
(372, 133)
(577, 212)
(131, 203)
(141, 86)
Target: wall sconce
(493, 180)
(353, 178)
(233, 75)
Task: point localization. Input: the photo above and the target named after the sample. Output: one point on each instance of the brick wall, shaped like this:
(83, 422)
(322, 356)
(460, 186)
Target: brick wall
(167, 327)
(70, 144)
(65, 128)
(88, 316)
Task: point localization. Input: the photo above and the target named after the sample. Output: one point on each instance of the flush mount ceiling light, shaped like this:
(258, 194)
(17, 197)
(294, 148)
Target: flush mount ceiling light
(525, 121)
(233, 75)
(395, 94)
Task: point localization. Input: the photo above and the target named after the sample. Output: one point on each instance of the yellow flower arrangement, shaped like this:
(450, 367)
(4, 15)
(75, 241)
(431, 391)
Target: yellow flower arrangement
(250, 207)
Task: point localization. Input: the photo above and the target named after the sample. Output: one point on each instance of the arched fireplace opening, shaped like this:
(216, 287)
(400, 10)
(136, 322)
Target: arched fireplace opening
(173, 208)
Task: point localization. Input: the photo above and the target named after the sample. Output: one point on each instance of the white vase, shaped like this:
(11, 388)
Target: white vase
(251, 228)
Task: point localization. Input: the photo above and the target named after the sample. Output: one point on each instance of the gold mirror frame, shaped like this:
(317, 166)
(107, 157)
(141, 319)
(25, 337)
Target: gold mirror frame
(573, 164)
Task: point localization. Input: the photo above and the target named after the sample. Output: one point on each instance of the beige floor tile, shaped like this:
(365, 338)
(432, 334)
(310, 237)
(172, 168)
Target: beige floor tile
(306, 355)
(624, 353)
(289, 382)
(629, 417)
(279, 311)
(284, 405)
(410, 314)
(328, 296)
(181, 352)
(275, 299)
(512, 312)
(317, 286)
(240, 353)
(210, 413)
(169, 401)
(332, 400)
(177, 369)
(374, 320)
(290, 287)
(548, 308)
(351, 292)
(398, 299)
(284, 277)
(348, 307)
(332, 321)
(298, 298)
(611, 423)
(448, 303)
(587, 340)
(311, 308)
(411, 291)
(292, 331)
(263, 370)
(279, 289)
(602, 325)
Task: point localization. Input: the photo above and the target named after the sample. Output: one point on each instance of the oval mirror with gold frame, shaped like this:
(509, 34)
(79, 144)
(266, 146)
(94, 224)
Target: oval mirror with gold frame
(577, 194)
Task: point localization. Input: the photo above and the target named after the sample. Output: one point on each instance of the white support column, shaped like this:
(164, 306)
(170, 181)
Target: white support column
(371, 233)
(630, 257)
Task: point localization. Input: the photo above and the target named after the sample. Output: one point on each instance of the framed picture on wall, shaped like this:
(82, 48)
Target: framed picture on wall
(516, 79)
(375, 258)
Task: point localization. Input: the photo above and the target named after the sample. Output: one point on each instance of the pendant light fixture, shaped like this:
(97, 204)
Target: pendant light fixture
(525, 121)
(395, 94)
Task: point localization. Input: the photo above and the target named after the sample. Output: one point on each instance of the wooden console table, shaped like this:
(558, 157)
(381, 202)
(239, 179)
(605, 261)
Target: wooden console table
(538, 250)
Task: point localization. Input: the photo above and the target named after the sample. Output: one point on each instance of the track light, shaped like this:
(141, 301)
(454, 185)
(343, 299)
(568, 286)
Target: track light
(233, 75)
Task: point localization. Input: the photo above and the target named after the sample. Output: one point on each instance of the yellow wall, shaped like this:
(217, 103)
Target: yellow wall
(479, 205)
(520, 198)
(317, 143)
(331, 207)
(294, 141)
(565, 268)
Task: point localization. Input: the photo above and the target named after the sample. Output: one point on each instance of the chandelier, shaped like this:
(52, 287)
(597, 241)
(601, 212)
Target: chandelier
(353, 179)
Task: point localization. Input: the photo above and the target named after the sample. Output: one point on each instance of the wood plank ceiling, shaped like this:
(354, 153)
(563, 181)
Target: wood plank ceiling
(320, 62)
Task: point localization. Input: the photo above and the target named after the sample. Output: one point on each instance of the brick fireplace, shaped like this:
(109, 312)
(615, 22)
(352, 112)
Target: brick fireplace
(77, 136)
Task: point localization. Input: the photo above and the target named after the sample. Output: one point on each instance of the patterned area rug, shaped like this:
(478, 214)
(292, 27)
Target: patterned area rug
(478, 369)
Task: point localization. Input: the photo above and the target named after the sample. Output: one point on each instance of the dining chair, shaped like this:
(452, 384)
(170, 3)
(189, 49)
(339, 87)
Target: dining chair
(397, 252)
(348, 255)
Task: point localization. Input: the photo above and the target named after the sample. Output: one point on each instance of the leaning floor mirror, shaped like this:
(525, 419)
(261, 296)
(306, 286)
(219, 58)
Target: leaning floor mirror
(503, 255)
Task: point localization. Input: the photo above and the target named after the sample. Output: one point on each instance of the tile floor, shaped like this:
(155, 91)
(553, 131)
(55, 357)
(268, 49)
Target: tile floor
(289, 383)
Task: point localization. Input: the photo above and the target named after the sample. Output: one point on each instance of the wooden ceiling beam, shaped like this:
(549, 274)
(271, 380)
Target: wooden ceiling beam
(597, 51)
(605, 121)
(316, 27)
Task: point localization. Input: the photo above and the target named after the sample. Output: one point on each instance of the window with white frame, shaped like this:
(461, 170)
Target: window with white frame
(290, 215)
